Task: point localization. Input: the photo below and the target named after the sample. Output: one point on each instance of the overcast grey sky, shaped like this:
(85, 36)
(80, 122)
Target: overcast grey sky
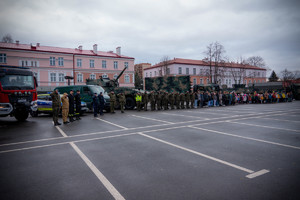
(150, 29)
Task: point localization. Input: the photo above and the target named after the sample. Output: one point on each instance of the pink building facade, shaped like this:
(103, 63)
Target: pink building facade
(199, 72)
(52, 64)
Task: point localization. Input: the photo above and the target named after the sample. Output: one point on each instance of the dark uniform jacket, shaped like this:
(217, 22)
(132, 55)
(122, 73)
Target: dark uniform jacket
(55, 99)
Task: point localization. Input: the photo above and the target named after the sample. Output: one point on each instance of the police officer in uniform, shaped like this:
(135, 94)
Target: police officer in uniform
(78, 104)
(55, 106)
(71, 106)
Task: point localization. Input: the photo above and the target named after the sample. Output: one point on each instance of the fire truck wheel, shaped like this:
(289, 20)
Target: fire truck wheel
(21, 116)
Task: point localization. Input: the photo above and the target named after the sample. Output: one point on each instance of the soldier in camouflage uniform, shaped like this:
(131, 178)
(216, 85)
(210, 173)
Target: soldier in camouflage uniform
(55, 106)
(158, 98)
(166, 101)
(182, 98)
(177, 100)
(172, 100)
(145, 100)
(187, 99)
(152, 100)
(192, 99)
(112, 101)
(122, 101)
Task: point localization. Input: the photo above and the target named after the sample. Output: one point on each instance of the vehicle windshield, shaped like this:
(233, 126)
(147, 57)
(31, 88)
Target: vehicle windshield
(97, 89)
(17, 82)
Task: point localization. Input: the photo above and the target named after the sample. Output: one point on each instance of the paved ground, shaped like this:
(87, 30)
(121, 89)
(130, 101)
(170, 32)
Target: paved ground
(237, 152)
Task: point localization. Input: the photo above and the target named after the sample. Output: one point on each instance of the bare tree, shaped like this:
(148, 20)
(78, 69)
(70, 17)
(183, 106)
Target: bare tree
(257, 61)
(237, 72)
(165, 62)
(7, 39)
(209, 59)
(288, 76)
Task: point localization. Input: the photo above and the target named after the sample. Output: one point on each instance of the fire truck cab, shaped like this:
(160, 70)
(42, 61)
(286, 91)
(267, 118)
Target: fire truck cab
(17, 91)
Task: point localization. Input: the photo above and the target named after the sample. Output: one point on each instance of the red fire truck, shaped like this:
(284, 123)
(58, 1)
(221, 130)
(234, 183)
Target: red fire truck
(17, 91)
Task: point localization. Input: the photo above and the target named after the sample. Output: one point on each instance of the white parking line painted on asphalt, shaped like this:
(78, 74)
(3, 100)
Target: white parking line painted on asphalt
(112, 190)
(258, 173)
(204, 155)
(61, 131)
(185, 116)
(285, 129)
(244, 137)
(152, 119)
(201, 112)
(284, 120)
(112, 123)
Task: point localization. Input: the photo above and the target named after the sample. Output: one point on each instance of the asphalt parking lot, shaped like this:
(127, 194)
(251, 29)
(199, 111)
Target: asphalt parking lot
(237, 152)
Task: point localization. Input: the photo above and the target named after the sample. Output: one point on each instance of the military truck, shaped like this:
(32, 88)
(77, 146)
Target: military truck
(168, 83)
(113, 85)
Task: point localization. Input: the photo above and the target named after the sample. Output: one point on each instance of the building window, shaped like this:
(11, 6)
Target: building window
(126, 65)
(150, 74)
(115, 64)
(187, 71)
(194, 81)
(79, 78)
(52, 61)
(201, 81)
(207, 80)
(249, 81)
(245, 82)
(258, 81)
(92, 64)
(179, 70)
(53, 77)
(79, 62)
(258, 74)
(60, 61)
(2, 58)
(194, 71)
(61, 77)
(154, 73)
(92, 76)
(168, 70)
(115, 76)
(226, 81)
(254, 81)
(230, 82)
(127, 79)
(146, 74)
(104, 76)
(104, 64)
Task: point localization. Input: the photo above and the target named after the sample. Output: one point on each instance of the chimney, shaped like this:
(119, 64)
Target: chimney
(38, 44)
(118, 50)
(17, 42)
(80, 47)
(95, 48)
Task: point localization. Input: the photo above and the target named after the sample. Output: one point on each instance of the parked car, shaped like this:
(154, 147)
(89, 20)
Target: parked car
(44, 105)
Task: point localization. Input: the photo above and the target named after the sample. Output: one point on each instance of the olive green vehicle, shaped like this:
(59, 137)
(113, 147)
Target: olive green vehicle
(113, 85)
(168, 83)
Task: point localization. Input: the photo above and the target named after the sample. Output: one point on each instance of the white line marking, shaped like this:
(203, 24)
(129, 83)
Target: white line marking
(61, 131)
(62, 143)
(248, 138)
(199, 154)
(112, 123)
(263, 126)
(113, 191)
(258, 173)
(284, 120)
(210, 113)
(152, 119)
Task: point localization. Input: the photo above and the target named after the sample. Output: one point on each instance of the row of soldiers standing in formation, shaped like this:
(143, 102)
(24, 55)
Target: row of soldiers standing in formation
(161, 100)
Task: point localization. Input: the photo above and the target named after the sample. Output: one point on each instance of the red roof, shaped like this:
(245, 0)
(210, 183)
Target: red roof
(203, 63)
(76, 51)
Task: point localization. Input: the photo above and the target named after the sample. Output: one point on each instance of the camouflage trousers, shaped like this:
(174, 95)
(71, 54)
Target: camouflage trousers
(122, 105)
(158, 104)
(112, 106)
(192, 103)
(178, 104)
(55, 110)
(172, 104)
(187, 104)
(138, 105)
(145, 105)
(182, 104)
(152, 105)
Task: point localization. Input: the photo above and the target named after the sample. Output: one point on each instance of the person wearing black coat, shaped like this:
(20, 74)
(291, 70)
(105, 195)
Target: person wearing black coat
(101, 103)
(95, 105)
(78, 104)
(71, 106)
